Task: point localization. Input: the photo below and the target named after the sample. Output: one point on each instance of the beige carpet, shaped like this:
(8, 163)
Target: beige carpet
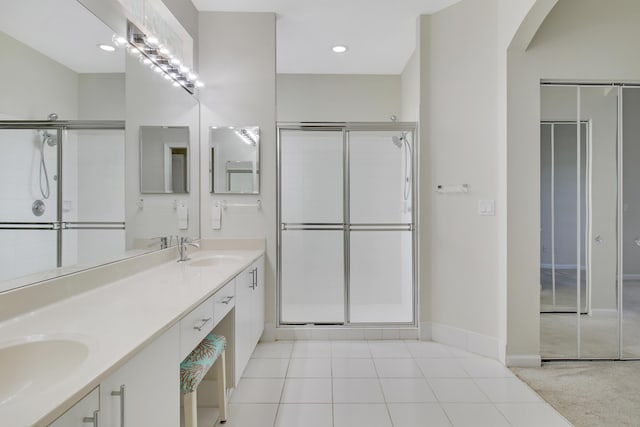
(598, 394)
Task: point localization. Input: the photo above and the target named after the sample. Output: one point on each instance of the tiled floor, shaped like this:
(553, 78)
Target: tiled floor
(381, 384)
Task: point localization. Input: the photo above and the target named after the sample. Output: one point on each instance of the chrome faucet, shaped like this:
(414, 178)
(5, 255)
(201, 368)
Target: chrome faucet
(183, 243)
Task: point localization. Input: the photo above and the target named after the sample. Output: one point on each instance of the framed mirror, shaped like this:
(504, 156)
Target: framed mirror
(234, 160)
(164, 159)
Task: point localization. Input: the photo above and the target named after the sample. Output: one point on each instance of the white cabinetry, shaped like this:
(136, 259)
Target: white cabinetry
(83, 413)
(249, 320)
(146, 390)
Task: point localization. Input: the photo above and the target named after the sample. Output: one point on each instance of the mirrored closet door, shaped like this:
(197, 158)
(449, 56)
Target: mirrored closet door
(587, 146)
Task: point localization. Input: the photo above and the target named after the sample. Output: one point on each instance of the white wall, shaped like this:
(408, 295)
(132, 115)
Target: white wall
(410, 89)
(338, 98)
(237, 63)
(35, 86)
(153, 101)
(459, 96)
(581, 41)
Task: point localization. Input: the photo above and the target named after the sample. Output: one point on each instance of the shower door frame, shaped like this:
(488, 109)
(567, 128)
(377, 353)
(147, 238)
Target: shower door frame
(345, 128)
(59, 126)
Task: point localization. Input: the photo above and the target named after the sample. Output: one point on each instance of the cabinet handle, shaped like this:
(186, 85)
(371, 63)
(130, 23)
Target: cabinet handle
(121, 395)
(204, 322)
(227, 300)
(252, 285)
(255, 277)
(93, 420)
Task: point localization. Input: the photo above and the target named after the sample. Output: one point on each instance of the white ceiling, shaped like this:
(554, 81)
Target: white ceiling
(64, 31)
(381, 34)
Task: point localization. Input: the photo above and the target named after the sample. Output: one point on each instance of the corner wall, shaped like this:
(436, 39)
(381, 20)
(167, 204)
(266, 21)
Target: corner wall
(238, 65)
(459, 98)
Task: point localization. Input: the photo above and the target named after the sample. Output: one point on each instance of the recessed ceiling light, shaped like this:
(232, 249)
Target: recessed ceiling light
(339, 48)
(107, 47)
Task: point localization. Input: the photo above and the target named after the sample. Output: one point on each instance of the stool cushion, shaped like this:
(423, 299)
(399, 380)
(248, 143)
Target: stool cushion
(194, 367)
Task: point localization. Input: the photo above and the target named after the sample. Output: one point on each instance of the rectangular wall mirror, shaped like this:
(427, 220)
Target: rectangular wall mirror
(164, 159)
(234, 160)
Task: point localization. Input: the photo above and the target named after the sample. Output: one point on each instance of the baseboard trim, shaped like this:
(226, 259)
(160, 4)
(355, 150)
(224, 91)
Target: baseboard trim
(524, 361)
(472, 342)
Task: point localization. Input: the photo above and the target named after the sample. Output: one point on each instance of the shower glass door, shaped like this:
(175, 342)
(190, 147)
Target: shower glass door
(346, 225)
(28, 202)
(93, 211)
(380, 231)
(312, 227)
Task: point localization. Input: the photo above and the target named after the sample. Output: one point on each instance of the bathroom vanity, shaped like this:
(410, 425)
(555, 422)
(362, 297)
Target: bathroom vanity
(111, 356)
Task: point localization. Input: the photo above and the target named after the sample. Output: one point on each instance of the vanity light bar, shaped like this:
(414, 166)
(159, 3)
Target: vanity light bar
(160, 59)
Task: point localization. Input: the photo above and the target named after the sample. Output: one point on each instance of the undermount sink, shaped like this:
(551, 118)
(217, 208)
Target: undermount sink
(35, 365)
(213, 260)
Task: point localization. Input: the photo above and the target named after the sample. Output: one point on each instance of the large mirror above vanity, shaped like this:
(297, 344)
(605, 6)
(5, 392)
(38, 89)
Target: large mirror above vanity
(71, 169)
(234, 160)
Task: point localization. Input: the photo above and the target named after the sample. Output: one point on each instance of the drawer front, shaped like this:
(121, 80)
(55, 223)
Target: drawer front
(224, 301)
(195, 326)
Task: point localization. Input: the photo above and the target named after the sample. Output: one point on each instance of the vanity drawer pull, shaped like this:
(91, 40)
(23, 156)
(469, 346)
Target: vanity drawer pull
(92, 420)
(120, 394)
(227, 300)
(204, 322)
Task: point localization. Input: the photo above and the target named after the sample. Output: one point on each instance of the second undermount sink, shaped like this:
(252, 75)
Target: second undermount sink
(213, 260)
(30, 366)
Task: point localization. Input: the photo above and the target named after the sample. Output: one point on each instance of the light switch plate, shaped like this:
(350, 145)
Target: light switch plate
(486, 207)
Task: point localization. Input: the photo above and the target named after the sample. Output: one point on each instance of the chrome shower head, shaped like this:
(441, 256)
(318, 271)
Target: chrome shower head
(50, 139)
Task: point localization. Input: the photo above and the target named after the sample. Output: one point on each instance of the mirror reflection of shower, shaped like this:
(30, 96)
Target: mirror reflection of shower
(51, 140)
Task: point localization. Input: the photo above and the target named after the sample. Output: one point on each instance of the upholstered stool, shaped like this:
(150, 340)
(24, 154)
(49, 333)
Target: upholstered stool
(192, 371)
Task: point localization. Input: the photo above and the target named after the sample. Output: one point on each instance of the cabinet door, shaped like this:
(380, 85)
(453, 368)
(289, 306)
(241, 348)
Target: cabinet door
(258, 301)
(243, 321)
(151, 385)
(87, 407)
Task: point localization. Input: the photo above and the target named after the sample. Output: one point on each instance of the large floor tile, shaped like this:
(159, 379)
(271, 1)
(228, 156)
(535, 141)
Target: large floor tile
(397, 368)
(503, 390)
(354, 368)
(485, 368)
(389, 349)
(426, 349)
(532, 415)
(307, 390)
(258, 390)
(441, 368)
(277, 350)
(266, 368)
(357, 390)
(350, 349)
(311, 349)
(250, 415)
(307, 415)
(457, 390)
(361, 415)
(475, 415)
(418, 415)
(309, 368)
(406, 390)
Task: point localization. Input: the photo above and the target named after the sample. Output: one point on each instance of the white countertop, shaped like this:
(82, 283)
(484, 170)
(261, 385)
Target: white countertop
(115, 321)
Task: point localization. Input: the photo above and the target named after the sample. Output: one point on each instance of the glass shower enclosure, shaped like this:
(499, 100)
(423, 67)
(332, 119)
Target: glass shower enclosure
(61, 195)
(346, 238)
